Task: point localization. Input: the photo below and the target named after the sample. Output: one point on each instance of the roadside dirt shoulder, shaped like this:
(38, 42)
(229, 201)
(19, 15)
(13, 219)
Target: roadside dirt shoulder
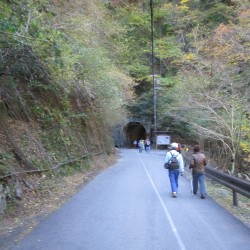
(30, 211)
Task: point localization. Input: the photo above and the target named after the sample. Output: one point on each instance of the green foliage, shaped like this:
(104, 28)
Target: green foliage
(68, 64)
(10, 206)
(168, 81)
(142, 106)
(75, 167)
(167, 48)
(245, 133)
(138, 70)
(6, 159)
(63, 77)
(217, 14)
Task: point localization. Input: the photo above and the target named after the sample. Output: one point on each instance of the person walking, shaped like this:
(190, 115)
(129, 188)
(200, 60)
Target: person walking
(174, 169)
(147, 145)
(141, 145)
(197, 164)
(179, 148)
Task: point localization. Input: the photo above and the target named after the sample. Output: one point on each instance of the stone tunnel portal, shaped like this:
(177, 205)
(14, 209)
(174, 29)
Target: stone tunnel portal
(134, 131)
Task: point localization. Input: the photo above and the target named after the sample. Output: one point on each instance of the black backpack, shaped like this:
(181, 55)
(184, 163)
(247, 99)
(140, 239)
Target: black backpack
(172, 163)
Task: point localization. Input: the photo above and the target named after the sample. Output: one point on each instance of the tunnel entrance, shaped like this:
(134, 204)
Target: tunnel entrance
(134, 131)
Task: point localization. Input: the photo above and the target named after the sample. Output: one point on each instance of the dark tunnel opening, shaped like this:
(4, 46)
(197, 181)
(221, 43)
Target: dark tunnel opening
(134, 131)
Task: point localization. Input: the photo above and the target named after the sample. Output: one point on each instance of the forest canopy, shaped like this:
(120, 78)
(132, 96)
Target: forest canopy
(201, 53)
(82, 67)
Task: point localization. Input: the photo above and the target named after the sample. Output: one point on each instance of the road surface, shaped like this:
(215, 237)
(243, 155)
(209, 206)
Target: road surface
(129, 207)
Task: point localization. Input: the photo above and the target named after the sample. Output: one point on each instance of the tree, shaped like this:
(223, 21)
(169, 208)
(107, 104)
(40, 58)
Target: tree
(212, 94)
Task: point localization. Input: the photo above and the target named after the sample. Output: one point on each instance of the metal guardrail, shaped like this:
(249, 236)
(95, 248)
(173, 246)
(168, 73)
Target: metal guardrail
(237, 185)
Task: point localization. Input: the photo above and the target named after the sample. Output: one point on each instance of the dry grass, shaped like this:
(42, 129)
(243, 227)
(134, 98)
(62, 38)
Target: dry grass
(224, 196)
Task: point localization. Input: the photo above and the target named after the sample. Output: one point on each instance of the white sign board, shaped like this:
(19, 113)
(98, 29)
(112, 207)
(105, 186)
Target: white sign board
(163, 140)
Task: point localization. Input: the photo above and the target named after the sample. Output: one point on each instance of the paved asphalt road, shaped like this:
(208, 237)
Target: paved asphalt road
(129, 207)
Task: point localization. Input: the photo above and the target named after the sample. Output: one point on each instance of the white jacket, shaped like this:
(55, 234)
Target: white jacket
(179, 159)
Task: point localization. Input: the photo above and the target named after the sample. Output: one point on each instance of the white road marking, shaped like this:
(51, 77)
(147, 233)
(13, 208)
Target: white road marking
(173, 227)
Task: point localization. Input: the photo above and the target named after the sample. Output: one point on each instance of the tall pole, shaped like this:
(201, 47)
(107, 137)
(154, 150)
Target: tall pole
(153, 64)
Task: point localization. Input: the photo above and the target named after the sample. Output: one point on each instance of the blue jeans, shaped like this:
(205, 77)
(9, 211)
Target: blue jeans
(199, 178)
(173, 177)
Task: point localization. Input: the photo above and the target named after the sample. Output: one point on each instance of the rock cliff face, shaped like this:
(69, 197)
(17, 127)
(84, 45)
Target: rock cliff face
(6, 194)
(51, 153)
(60, 91)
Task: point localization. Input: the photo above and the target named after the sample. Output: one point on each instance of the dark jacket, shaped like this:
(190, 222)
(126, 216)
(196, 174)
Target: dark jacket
(198, 162)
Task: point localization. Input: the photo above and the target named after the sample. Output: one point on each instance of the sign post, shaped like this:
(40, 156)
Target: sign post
(163, 139)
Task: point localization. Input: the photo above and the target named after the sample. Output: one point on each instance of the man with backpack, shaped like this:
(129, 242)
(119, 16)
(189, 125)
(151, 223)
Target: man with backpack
(175, 165)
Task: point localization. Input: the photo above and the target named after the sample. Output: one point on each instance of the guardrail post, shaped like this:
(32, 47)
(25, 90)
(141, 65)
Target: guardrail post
(235, 198)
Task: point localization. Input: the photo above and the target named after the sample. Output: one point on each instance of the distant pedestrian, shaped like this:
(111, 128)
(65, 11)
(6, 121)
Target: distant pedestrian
(179, 148)
(197, 165)
(174, 169)
(147, 146)
(135, 143)
(141, 145)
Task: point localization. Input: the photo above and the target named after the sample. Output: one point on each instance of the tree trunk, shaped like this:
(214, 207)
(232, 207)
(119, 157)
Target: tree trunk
(233, 161)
